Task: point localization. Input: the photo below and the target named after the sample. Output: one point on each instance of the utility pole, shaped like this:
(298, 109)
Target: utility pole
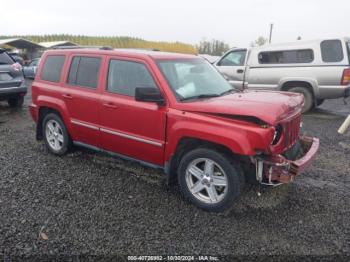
(271, 28)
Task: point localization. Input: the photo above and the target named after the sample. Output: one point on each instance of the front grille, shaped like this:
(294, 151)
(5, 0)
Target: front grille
(291, 130)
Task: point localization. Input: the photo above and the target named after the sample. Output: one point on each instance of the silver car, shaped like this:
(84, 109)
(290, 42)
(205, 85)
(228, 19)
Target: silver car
(318, 69)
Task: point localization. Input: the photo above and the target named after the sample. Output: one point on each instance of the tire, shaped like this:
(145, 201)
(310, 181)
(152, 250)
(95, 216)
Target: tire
(308, 97)
(319, 102)
(55, 134)
(217, 189)
(15, 101)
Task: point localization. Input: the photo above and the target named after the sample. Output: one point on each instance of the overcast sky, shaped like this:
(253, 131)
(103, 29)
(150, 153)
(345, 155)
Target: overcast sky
(236, 22)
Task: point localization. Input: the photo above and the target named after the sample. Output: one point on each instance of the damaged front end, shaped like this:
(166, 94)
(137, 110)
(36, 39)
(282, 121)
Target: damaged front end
(276, 169)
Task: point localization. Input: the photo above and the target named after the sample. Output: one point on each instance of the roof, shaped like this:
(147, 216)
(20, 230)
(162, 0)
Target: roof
(20, 43)
(56, 43)
(154, 54)
(126, 52)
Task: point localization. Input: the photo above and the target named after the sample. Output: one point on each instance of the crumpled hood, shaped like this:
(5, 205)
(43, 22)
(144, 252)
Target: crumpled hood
(267, 106)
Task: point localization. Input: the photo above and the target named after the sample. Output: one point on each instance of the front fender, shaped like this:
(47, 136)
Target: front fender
(239, 138)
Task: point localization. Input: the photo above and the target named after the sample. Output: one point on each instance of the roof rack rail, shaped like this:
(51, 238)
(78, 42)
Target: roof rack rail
(141, 49)
(82, 47)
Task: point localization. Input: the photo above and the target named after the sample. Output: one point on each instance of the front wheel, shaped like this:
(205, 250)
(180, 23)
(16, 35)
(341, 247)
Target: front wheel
(55, 133)
(209, 179)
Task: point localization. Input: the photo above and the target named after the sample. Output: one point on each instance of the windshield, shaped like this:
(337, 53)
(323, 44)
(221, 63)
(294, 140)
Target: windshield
(193, 78)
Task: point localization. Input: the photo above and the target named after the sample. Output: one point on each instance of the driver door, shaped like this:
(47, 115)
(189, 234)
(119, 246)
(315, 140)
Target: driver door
(129, 127)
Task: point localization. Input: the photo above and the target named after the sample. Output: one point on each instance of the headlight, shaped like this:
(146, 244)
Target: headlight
(277, 135)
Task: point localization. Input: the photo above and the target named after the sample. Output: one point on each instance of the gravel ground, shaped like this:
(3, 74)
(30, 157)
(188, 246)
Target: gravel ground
(90, 204)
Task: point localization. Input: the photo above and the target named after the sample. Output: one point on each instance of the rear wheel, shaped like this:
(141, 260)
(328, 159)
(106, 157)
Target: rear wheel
(209, 179)
(55, 133)
(308, 97)
(15, 101)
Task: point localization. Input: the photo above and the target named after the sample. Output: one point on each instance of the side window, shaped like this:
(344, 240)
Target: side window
(235, 58)
(125, 76)
(52, 68)
(84, 71)
(332, 51)
(286, 57)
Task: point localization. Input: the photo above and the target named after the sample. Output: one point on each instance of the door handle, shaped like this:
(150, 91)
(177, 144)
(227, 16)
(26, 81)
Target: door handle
(69, 96)
(109, 105)
(240, 71)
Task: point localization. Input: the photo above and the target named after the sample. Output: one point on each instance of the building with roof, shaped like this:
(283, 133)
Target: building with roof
(25, 47)
(49, 45)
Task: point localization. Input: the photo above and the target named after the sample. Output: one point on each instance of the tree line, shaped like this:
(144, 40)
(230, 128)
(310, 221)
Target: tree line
(112, 41)
(211, 47)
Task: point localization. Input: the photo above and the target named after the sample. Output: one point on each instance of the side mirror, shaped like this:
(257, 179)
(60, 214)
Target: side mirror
(149, 94)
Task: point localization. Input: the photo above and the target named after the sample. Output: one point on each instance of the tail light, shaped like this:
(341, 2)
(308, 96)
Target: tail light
(16, 67)
(345, 80)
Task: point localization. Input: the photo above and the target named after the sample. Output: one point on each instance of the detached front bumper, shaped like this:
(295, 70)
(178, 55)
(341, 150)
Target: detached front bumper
(276, 169)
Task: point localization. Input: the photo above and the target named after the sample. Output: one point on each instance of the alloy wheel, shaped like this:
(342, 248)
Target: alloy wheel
(54, 135)
(206, 180)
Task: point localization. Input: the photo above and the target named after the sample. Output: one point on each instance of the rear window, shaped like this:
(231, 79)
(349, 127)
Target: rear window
(84, 71)
(52, 68)
(5, 59)
(287, 57)
(348, 46)
(332, 51)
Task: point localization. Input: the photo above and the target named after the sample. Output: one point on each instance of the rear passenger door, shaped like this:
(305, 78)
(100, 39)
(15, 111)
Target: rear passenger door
(128, 127)
(81, 96)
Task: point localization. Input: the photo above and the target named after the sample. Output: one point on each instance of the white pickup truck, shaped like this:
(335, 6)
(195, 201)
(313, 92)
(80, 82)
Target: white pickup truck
(318, 69)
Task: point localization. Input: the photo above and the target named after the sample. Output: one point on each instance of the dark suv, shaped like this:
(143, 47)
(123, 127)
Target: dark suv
(12, 85)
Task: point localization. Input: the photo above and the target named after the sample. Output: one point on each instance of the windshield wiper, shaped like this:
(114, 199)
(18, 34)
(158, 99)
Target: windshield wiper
(199, 97)
(228, 91)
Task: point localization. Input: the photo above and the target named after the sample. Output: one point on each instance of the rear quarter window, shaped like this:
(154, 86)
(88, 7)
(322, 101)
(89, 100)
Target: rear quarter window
(332, 51)
(52, 68)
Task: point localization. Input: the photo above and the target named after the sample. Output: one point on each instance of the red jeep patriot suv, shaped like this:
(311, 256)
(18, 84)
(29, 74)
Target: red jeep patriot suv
(174, 112)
